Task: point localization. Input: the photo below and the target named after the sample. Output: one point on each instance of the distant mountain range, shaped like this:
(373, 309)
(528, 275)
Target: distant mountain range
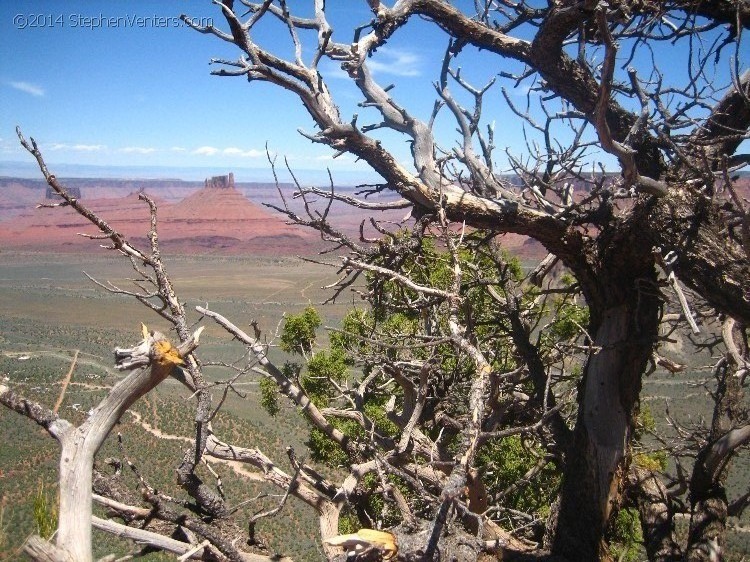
(29, 170)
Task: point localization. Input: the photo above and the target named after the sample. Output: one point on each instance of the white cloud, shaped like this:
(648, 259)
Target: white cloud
(387, 60)
(28, 87)
(398, 62)
(88, 147)
(78, 147)
(8, 146)
(234, 151)
(178, 149)
(138, 150)
(206, 150)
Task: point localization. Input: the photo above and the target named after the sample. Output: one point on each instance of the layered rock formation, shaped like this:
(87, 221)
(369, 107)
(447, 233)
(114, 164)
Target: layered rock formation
(220, 182)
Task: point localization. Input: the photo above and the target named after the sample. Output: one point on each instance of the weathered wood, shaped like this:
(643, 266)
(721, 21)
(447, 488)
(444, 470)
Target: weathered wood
(168, 544)
(597, 463)
(328, 511)
(142, 536)
(49, 420)
(293, 391)
(152, 361)
(40, 550)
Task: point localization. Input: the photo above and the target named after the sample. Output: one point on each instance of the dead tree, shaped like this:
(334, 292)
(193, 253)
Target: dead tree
(153, 359)
(483, 316)
(451, 490)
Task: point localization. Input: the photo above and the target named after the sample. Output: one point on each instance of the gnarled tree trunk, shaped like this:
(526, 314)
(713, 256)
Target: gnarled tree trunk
(624, 324)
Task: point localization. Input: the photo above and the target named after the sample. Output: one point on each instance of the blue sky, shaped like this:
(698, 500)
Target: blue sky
(139, 93)
(123, 84)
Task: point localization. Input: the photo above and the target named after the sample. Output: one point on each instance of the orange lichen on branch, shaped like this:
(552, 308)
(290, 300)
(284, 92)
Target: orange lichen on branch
(166, 355)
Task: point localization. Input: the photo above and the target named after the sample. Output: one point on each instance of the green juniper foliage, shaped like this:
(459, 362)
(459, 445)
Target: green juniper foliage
(383, 346)
(298, 335)
(626, 536)
(269, 395)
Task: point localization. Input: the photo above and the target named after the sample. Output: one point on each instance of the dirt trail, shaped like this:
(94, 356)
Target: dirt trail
(156, 431)
(237, 467)
(66, 382)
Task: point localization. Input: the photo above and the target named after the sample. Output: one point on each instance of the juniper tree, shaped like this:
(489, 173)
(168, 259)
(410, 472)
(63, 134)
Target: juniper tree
(674, 133)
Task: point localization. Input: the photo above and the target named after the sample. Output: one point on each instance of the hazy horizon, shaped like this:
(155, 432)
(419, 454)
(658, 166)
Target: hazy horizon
(29, 170)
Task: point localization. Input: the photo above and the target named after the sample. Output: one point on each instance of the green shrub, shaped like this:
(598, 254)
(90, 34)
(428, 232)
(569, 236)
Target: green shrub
(506, 461)
(298, 334)
(626, 537)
